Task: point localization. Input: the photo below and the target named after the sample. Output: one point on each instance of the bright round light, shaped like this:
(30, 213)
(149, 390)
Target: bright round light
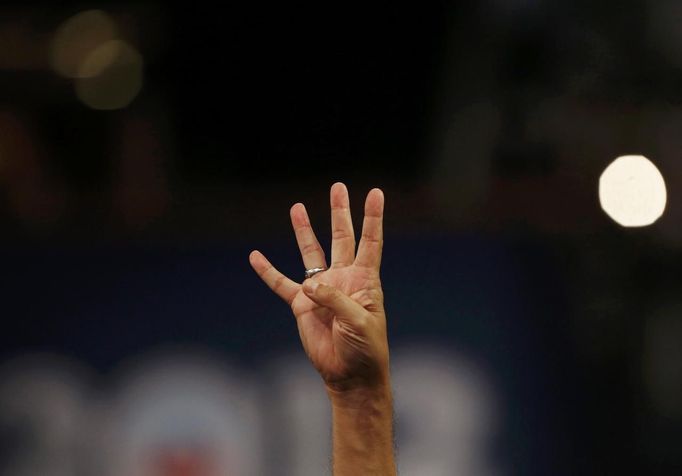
(110, 76)
(76, 38)
(632, 191)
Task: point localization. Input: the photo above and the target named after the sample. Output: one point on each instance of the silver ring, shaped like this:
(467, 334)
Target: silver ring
(309, 273)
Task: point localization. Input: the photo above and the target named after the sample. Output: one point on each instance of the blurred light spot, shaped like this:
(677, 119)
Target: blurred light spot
(110, 76)
(176, 404)
(43, 411)
(76, 38)
(101, 58)
(303, 410)
(632, 191)
(448, 423)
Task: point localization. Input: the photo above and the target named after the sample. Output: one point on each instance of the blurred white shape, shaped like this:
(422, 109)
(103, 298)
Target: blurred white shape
(632, 191)
(660, 129)
(76, 38)
(446, 414)
(43, 404)
(303, 417)
(101, 58)
(180, 414)
(110, 76)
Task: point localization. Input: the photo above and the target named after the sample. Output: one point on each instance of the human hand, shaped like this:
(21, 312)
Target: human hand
(340, 311)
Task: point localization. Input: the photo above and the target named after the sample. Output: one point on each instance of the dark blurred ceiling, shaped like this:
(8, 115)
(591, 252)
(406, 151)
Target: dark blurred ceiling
(244, 106)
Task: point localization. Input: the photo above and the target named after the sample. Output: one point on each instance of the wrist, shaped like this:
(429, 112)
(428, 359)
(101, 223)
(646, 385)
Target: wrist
(353, 396)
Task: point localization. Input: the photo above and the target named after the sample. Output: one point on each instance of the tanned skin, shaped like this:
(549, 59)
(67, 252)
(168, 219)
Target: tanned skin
(342, 324)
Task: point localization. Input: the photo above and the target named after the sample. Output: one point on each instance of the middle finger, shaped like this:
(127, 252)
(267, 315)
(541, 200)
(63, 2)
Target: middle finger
(311, 251)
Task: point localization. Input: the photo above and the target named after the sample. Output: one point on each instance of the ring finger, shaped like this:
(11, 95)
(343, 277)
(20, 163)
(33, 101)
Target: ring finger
(311, 251)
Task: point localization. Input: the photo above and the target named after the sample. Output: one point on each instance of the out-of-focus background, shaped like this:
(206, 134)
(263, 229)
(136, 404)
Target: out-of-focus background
(146, 149)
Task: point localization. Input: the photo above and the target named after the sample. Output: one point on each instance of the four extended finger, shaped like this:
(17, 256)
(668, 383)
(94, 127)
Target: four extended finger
(343, 237)
(280, 284)
(311, 251)
(372, 240)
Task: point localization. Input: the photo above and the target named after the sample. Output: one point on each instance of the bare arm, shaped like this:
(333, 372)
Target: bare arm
(342, 324)
(363, 432)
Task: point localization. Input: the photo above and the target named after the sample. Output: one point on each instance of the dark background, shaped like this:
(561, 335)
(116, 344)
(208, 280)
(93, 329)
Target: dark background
(486, 124)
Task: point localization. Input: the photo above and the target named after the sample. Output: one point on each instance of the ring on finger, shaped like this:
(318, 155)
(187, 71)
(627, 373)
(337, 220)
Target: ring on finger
(309, 273)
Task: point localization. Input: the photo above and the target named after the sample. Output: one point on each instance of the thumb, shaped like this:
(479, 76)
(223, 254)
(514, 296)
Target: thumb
(344, 307)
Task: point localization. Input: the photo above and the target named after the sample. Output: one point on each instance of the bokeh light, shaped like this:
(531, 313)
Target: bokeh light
(632, 191)
(76, 38)
(43, 408)
(110, 76)
(176, 412)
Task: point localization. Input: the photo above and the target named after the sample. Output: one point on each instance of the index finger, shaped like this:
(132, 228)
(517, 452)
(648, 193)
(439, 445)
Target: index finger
(372, 241)
(280, 284)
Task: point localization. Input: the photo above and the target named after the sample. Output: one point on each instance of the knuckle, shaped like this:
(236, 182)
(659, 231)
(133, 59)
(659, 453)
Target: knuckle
(341, 234)
(303, 226)
(263, 272)
(279, 281)
(311, 248)
(371, 238)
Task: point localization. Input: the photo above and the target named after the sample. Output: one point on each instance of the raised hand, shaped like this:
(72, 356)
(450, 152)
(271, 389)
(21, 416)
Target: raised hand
(339, 312)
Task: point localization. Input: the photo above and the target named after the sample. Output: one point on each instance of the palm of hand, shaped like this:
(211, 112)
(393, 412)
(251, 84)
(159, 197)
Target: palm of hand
(320, 331)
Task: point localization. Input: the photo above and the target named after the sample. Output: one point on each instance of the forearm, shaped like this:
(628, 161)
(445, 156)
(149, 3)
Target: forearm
(363, 431)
